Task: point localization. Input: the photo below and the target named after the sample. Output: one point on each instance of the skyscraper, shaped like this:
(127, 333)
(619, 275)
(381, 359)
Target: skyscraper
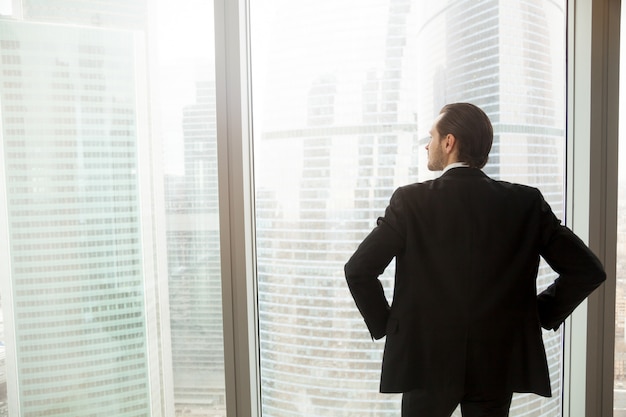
(194, 265)
(119, 14)
(315, 360)
(76, 298)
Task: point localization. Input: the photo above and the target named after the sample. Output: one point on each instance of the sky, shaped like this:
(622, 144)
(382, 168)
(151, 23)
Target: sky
(185, 49)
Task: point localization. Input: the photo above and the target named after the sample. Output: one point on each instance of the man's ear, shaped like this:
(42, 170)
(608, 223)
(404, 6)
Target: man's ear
(449, 143)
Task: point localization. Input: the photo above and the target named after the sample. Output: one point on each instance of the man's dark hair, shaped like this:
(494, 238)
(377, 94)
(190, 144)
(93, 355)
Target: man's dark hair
(472, 129)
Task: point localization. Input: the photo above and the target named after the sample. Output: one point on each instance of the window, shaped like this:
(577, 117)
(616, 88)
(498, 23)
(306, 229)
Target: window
(127, 287)
(111, 282)
(344, 96)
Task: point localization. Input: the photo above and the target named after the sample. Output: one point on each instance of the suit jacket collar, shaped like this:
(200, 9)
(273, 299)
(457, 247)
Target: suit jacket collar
(459, 172)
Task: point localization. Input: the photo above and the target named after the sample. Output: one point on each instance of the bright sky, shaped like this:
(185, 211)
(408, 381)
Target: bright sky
(5, 7)
(185, 47)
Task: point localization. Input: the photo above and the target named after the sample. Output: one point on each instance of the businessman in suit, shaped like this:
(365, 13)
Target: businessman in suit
(464, 325)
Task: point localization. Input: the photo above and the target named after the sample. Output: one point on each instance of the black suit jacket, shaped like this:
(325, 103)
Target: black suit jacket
(465, 308)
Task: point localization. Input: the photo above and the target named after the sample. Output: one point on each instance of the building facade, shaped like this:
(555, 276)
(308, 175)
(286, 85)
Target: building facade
(75, 299)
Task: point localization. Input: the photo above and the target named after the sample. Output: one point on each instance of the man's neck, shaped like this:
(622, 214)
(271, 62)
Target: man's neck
(455, 165)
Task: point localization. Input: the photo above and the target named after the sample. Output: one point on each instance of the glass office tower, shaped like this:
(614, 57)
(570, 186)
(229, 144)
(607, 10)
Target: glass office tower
(121, 14)
(123, 107)
(78, 280)
(87, 84)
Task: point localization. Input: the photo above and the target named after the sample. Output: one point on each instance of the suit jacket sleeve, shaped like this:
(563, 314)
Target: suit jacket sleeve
(579, 271)
(369, 261)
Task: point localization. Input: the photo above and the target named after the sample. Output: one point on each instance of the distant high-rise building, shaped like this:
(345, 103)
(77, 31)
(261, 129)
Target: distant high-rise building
(120, 14)
(315, 360)
(77, 297)
(503, 57)
(194, 265)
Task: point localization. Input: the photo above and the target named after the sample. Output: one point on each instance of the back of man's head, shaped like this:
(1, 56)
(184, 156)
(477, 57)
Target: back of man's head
(472, 129)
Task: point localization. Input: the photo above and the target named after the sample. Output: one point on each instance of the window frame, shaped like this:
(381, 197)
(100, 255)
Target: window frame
(593, 114)
(236, 207)
(593, 100)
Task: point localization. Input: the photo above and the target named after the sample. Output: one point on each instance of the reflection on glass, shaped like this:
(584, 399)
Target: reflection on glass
(344, 96)
(112, 298)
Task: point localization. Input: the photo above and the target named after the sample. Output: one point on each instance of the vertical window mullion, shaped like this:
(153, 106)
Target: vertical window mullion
(236, 207)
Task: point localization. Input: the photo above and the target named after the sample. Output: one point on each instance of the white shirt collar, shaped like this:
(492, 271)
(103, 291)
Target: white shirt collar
(455, 165)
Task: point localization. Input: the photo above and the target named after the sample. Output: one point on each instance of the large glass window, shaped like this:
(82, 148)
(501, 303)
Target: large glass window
(110, 284)
(344, 94)
(110, 275)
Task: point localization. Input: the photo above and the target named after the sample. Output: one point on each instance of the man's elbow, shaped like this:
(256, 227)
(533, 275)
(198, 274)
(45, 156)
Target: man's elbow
(348, 272)
(351, 273)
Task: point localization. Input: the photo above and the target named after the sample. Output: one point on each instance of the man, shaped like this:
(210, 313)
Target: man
(464, 325)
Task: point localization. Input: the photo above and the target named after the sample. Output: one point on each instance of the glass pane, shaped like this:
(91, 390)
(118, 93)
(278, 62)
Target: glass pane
(344, 95)
(110, 289)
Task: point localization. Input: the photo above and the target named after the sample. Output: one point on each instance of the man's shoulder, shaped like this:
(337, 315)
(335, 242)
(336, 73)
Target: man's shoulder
(414, 188)
(470, 177)
(516, 186)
